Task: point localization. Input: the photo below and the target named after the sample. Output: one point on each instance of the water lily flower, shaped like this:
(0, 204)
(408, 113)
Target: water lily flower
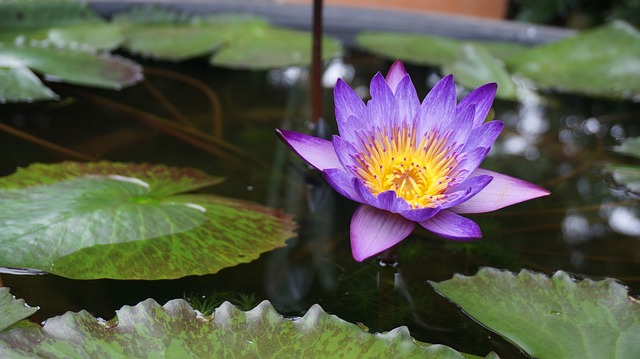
(408, 162)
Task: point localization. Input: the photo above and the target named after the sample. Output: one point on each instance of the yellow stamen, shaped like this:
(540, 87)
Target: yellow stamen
(418, 172)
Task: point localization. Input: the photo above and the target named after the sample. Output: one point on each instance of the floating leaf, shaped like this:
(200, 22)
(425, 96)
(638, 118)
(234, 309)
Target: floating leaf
(77, 67)
(175, 330)
(20, 84)
(414, 48)
(89, 36)
(601, 62)
(105, 220)
(555, 317)
(627, 175)
(34, 14)
(629, 147)
(12, 310)
(475, 66)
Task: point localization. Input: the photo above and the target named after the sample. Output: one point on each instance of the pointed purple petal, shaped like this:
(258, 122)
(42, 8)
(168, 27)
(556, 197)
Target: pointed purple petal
(439, 106)
(471, 161)
(381, 108)
(419, 215)
(469, 188)
(374, 230)
(342, 182)
(348, 103)
(460, 126)
(452, 226)
(484, 136)
(482, 99)
(316, 151)
(502, 191)
(407, 102)
(395, 75)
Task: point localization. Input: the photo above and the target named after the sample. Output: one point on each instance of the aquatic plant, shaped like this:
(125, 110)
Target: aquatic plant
(408, 162)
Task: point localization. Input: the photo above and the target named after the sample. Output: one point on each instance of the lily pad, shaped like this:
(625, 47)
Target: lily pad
(175, 330)
(21, 84)
(629, 147)
(603, 62)
(116, 220)
(34, 14)
(475, 66)
(12, 310)
(626, 175)
(238, 41)
(555, 317)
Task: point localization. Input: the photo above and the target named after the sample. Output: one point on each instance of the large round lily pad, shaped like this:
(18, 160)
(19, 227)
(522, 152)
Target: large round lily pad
(118, 220)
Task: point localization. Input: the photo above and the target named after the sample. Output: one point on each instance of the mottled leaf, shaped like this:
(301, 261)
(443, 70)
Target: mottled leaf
(175, 330)
(555, 317)
(12, 310)
(601, 62)
(106, 220)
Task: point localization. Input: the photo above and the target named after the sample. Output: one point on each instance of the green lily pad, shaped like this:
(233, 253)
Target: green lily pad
(115, 220)
(12, 310)
(34, 14)
(629, 147)
(175, 330)
(238, 41)
(475, 66)
(73, 66)
(627, 175)
(20, 84)
(555, 317)
(602, 62)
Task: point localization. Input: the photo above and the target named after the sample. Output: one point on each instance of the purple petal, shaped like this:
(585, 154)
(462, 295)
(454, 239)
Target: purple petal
(342, 182)
(367, 197)
(395, 75)
(460, 126)
(348, 103)
(471, 161)
(469, 188)
(345, 151)
(502, 191)
(407, 102)
(374, 230)
(452, 226)
(439, 106)
(483, 136)
(381, 108)
(419, 215)
(481, 98)
(316, 151)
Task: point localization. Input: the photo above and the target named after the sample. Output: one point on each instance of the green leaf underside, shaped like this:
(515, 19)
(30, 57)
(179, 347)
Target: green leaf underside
(118, 220)
(12, 310)
(175, 330)
(604, 62)
(555, 317)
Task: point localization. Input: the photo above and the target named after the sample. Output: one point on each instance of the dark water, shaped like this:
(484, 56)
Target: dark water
(588, 226)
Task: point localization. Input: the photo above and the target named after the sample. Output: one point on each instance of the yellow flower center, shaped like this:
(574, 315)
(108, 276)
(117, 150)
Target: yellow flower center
(419, 172)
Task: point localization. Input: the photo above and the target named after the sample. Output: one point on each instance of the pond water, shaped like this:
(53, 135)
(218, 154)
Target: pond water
(588, 226)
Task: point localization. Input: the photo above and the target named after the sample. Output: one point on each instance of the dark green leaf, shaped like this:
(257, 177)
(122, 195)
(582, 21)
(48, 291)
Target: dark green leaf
(34, 14)
(128, 221)
(175, 330)
(600, 62)
(555, 317)
(12, 310)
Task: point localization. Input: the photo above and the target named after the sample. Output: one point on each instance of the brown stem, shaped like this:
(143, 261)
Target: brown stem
(316, 63)
(46, 144)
